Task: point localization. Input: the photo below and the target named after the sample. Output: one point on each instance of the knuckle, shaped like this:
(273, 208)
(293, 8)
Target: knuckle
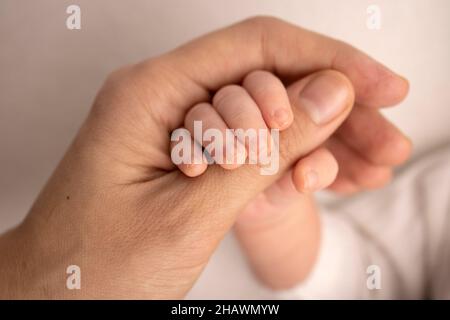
(263, 29)
(197, 112)
(226, 94)
(132, 83)
(257, 74)
(263, 21)
(403, 148)
(118, 78)
(261, 82)
(115, 89)
(374, 177)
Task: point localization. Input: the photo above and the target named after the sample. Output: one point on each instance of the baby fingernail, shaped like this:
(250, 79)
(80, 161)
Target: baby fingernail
(311, 181)
(281, 117)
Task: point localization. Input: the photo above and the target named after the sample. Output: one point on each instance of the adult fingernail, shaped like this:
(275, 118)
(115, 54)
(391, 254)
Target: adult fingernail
(323, 98)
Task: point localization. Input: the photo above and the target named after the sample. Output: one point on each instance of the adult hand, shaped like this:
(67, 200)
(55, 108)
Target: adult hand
(116, 205)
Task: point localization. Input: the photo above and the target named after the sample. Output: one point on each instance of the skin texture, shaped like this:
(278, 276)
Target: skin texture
(138, 227)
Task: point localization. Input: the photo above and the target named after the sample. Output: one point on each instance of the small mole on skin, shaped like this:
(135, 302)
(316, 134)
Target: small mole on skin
(67, 197)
